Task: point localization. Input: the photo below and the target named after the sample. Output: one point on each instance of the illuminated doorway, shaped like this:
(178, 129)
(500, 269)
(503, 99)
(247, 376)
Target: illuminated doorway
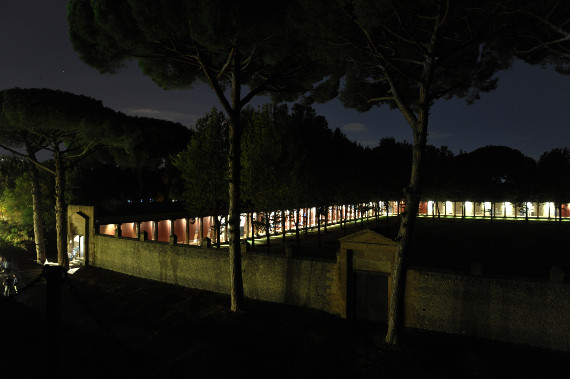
(77, 248)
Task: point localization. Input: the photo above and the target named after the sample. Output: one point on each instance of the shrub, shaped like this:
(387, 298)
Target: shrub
(14, 235)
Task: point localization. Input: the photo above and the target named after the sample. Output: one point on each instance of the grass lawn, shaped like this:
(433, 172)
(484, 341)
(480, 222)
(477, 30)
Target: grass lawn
(506, 248)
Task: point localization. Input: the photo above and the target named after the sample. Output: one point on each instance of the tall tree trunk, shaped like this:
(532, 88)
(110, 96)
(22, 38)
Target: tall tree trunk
(37, 208)
(252, 232)
(283, 226)
(60, 211)
(408, 220)
(318, 215)
(234, 158)
(218, 231)
(267, 231)
(412, 195)
(297, 236)
(342, 220)
(375, 213)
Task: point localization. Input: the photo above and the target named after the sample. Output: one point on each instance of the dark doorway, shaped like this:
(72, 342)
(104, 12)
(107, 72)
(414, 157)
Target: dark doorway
(370, 294)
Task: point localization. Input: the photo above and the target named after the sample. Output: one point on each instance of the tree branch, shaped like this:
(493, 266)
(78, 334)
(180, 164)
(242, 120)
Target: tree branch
(35, 162)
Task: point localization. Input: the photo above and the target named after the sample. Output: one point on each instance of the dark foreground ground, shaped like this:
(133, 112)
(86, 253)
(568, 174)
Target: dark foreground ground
(122, 326)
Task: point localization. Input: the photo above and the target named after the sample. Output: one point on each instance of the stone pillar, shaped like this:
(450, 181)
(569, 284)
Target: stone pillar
(138, 230)
(155, 230)
(117, 230)
(226, 229)
(187, 231)
(172, 239)
(247, 225)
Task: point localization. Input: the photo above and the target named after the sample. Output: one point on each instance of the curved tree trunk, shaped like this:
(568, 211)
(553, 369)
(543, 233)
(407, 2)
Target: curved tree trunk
(37, 208)
(408, 220)
(412, 195)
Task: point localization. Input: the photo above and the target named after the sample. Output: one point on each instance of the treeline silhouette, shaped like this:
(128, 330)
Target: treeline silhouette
(292, 159)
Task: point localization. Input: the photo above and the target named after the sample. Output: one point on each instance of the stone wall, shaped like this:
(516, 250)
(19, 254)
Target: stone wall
(189, 266)
(526, 312)
(302, 282)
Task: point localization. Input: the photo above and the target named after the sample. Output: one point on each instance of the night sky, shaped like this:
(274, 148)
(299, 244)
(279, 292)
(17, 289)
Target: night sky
(528, 112)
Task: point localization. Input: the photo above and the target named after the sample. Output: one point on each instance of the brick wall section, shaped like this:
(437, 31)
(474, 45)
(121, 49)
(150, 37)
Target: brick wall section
(527, 312)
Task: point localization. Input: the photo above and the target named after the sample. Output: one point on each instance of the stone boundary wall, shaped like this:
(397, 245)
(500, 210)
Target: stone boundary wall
(533, 313)
(301, 282)
(525, 312)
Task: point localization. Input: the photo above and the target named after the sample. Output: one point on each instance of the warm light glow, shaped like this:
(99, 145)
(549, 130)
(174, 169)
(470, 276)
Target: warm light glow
(510, 209)
(468, 208)
(448, 208)
(108, 229)
(545, 210)
(550, 206)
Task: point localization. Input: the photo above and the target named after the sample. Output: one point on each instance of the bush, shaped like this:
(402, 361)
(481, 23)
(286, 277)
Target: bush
(14, 235)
